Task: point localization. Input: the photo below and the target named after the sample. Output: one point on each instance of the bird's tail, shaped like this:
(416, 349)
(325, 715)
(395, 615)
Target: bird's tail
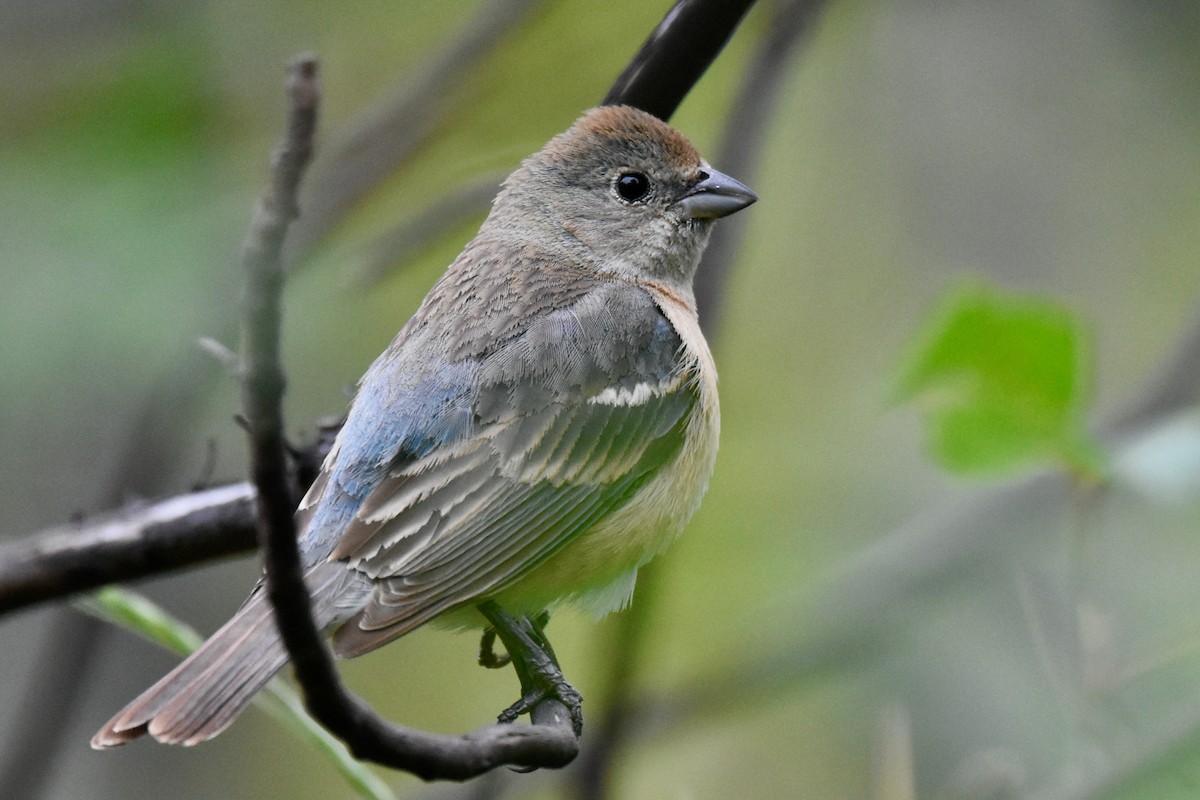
(203, 695)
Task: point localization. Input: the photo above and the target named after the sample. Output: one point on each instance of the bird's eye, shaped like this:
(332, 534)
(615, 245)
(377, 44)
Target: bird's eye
(632, 186)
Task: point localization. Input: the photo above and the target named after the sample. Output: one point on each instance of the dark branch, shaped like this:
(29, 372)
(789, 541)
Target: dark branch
(676, 54)
(129, 543)
(263, 380)
(144, 538)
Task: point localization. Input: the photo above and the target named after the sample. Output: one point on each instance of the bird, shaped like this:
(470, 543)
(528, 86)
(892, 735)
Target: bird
(543, 425)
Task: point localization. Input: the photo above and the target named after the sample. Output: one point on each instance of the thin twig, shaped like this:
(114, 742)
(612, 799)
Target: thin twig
(1180, 391)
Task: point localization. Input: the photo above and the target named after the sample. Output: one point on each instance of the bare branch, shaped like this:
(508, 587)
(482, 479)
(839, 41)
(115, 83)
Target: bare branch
(53, 566)
(130, 543)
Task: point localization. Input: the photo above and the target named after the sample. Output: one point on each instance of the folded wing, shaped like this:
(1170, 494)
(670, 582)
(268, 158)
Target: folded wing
(568, 420)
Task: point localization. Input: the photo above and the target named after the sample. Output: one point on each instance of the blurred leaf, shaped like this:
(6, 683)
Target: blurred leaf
(1002, 381)
(134, 612)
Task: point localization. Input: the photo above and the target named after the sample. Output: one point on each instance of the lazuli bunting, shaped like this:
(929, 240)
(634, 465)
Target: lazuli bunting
(543, 426)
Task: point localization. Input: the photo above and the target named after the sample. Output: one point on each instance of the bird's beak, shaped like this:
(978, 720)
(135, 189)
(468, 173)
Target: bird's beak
(716, 195)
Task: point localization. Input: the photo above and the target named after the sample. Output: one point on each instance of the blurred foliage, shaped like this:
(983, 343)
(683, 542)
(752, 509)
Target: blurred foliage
(1015, 639)
(1002, 382)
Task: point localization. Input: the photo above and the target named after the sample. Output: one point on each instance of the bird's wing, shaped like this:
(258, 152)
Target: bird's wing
(569, 419)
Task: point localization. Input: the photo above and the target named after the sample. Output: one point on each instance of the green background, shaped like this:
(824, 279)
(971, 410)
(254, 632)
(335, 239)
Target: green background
(1046, 147)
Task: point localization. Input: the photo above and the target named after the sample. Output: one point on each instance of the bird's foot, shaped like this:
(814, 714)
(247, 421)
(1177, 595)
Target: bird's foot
(533, 658)
(553, 686)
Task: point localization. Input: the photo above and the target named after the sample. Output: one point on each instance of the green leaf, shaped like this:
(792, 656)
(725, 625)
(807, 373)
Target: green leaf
(1002, 380)
(140, 615)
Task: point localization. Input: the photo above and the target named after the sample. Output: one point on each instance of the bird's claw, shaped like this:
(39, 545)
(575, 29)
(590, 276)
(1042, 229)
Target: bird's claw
(555, 687)
(533, 658)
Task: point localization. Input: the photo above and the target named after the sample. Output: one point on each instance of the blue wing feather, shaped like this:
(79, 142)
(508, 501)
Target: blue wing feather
(392, 421)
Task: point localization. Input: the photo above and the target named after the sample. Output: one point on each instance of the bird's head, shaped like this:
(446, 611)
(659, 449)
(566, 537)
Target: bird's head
(627, 190)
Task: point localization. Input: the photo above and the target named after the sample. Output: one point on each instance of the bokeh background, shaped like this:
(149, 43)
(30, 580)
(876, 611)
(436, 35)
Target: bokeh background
(842, 619)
